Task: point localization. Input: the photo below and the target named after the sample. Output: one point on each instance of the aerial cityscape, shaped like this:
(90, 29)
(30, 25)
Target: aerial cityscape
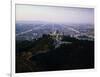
(50, 38)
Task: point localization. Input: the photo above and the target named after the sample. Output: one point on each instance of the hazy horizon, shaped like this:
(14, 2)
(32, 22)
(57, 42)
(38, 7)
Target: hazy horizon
(54, 14)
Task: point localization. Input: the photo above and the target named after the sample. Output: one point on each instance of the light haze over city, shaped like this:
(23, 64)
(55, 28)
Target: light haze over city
(54, 14)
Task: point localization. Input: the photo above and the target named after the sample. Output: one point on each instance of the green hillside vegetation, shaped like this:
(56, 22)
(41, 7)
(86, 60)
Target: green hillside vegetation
(41, 54)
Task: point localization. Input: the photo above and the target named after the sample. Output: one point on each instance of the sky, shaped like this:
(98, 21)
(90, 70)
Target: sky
(54, 14)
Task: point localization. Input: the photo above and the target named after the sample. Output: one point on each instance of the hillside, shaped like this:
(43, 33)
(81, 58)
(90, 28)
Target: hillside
(41, 54)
